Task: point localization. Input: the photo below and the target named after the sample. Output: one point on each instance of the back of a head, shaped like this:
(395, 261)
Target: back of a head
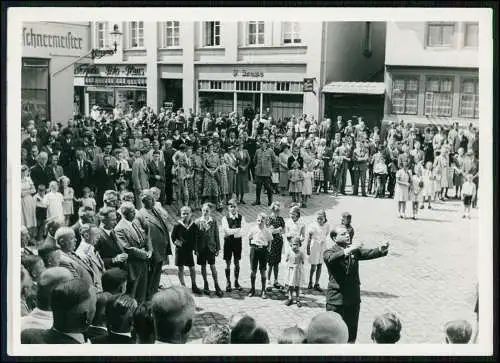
(247, 331)
(100, 308)
(458, 332)
(119, 312)
(143, 324)
(217, 334)
(173, 311)
(292, 335)
(113, 280)
(386, 329)
(327, 328)
(48, 280)
(71, 305)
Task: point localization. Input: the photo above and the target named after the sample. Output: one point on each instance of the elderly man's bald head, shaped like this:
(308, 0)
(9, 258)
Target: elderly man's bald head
(65, 238)
(327, 328)
(47, 281)
(340, 234)
(173, 310)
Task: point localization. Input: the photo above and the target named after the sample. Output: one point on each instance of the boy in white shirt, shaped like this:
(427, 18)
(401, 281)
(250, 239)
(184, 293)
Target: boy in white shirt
(259, 239)
(468, 193)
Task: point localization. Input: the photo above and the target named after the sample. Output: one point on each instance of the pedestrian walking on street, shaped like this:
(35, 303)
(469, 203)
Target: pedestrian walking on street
(343, 293)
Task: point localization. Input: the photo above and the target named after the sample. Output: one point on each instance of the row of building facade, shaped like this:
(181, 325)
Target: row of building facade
(416, 71)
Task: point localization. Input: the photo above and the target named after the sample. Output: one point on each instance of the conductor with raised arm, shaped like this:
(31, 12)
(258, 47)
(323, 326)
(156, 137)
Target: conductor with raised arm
(343, 293)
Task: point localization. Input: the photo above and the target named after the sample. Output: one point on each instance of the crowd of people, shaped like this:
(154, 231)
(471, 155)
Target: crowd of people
(96, 235)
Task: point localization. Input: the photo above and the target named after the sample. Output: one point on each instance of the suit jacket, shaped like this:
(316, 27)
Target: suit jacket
(264, 161)
(68, 152)
(28, 143)
(108, 247)
(76, 267)
(136, 244)
(76, 228)
(105, 181)
(343, 272)
(111, 338)
(157, 170)
(93, 262)
(95, 331)
(157, 228)
(140, 175)
(81, 178)
(55, 172)
(40, 175)
(49, 336)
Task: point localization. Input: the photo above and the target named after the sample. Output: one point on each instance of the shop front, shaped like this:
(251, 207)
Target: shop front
(46, 78)
(109, 86)
(241, 89)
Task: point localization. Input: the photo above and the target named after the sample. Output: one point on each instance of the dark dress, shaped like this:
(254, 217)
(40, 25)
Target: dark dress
(276, 245)
(185, 234)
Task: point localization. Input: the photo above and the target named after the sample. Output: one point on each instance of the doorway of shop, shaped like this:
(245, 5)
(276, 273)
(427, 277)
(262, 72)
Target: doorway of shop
(172, 92)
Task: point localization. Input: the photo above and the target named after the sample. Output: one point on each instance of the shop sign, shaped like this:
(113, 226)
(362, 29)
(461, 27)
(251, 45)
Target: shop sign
(115, 81)
(245, 73)
(115, 70)
(308, 85)
(45, 40)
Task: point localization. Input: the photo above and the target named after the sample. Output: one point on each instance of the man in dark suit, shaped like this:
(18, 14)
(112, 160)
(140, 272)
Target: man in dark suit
(137, 244)
(343, 293)
(156, 170)
(154, 221)
(73, 306)
(107, 244)
(40, 173)
(119, 313)
(168, 153)
(104, 178)
(68, 150)
(80, 173)
(33, 139)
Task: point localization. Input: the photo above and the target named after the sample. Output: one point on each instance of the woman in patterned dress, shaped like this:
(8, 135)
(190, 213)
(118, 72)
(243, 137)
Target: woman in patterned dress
(232, 169)
(28, 204)
(283, 168)
(277, 226)
(211, 163)
(223, 182)
(196, 188)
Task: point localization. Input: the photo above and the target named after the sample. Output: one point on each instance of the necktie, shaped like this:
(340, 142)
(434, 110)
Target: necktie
(139, 234)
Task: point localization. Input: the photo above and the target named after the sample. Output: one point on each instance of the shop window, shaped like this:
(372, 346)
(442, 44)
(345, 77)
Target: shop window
(405, 96)
(170, 34)
(255, 32)
(471, 35)
(469, 98)
(440, 35)
(283, 86)
(211, 33)
(102, 34)
(439, 97)
(247, 86)
(367, 41)
(34, 89)
(136, 34)
(291, 33)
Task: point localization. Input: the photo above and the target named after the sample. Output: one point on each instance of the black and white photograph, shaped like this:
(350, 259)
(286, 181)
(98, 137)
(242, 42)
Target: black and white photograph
(263, 176)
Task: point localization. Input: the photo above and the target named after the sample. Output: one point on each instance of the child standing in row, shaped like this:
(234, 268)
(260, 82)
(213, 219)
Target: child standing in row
(296, 178)
(307, 185)
(428, 180)
(54, 202)
(317, 237)
(468, 193)
(295, 259)
(416, 190)
(69, 197)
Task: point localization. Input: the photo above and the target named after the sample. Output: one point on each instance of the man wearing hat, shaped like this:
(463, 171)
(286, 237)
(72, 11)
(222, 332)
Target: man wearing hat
(341, 259)
(264, 160)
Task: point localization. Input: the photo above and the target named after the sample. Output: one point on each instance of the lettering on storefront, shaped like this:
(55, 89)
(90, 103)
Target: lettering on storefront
(115, 81)
(85, 69)
(43, 40)
(245, 73)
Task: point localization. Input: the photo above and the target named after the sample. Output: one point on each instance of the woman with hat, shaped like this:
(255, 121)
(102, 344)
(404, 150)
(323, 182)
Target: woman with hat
(28, 204)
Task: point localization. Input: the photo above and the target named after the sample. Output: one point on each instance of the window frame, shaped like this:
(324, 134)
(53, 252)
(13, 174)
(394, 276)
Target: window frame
(466, 25)
(105, 35)
(215, 34)
(40, 63)
(434, 104)
(442, 25)
(176, 40)
(295, 34)
(257, 33)
(406, 80)
(140, 24)
(475, 95)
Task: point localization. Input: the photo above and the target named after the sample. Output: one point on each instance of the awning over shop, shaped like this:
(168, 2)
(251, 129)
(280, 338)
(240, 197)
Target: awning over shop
(361, 88)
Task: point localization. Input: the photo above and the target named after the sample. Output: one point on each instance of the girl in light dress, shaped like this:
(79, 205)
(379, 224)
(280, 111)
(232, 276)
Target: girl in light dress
(294, 227)
(295, 177)
(402, 188)
(428, 180)
(295, 259)
(87, 199)
(54, 202)
(69, 196)
(307, 184)
(28, 204)
(317, 236)
(416, 189)
(458, 169)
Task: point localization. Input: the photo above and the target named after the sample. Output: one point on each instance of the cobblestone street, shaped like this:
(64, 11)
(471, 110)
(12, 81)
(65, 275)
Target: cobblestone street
(427, 279)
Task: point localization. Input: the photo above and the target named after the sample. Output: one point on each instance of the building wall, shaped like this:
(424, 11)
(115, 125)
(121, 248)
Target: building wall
(407, 45)
(343, 55)
(61, 83)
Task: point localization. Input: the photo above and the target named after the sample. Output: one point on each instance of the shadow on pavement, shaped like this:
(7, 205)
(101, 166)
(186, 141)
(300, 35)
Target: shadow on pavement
(432, 220)
(378, 294)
